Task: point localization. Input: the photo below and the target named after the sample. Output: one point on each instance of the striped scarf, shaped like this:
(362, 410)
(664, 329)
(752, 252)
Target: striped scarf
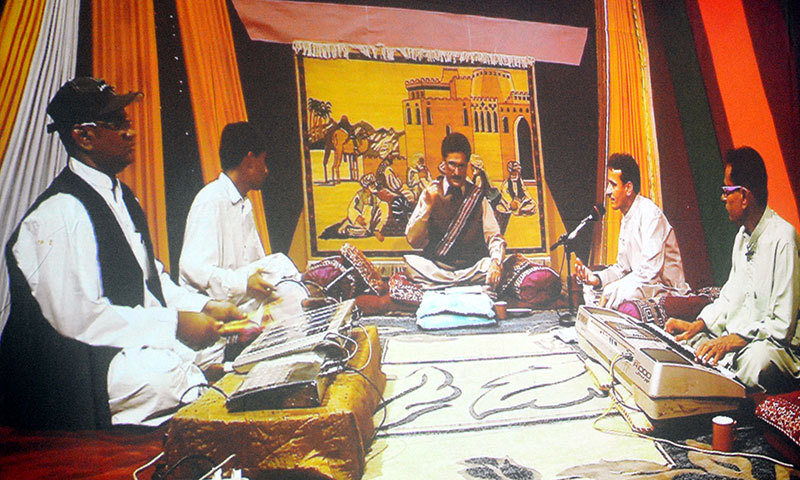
(458, 222)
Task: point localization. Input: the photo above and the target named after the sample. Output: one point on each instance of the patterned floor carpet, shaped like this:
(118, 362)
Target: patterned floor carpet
(514, 401)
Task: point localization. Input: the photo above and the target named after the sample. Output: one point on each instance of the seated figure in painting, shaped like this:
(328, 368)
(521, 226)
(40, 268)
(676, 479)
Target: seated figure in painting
(418, 176)
(455, 227)
(648, 259)
(366, 213)
(396, 194)
(515, 197)
(222, 254)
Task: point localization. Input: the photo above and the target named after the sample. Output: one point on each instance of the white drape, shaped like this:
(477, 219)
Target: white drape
(34, 157)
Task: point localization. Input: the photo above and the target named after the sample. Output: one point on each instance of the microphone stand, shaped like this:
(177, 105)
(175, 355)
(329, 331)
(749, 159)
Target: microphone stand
(569, 318)
(566, 240)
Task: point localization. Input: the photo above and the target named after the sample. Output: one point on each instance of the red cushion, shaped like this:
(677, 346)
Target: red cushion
(782, 412)
(402, 289)
(534, 284)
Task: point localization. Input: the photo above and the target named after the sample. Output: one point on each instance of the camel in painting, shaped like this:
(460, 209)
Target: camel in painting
(347, 143)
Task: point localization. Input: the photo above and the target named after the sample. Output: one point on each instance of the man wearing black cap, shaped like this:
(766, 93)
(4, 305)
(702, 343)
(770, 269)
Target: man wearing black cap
(97, 332)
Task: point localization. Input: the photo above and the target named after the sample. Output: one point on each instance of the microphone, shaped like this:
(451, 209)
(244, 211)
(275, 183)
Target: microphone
(597, 212)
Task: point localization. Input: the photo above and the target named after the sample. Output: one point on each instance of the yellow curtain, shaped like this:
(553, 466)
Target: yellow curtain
(627, 105)
(19, 34)
(214, 85)
(124, 54)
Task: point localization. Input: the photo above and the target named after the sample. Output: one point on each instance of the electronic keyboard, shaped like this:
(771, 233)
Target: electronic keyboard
(663, 375)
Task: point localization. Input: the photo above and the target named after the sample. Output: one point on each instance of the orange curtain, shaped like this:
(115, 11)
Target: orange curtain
(19, 34)
(744, 98)
(124, 54)
(214, 85)
(624, 72)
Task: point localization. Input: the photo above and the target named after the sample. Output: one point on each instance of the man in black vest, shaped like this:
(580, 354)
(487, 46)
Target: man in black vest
(455, 226)
(97, 333)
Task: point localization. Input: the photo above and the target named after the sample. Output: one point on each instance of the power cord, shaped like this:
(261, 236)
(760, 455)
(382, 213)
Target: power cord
(146, 465)
(628, 356)
(163, 472)
(201, 385)
(380, 395)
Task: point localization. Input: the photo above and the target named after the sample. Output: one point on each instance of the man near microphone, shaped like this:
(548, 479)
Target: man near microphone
(648, 259)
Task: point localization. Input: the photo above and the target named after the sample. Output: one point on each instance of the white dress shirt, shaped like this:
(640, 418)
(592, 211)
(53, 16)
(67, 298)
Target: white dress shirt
(222, 248)
(56, 250)
(648, 259)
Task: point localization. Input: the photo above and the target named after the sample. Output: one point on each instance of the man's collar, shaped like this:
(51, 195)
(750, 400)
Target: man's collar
(446, 185)
(230, 189)
(633, 203)
(97, 179)
(761, 225)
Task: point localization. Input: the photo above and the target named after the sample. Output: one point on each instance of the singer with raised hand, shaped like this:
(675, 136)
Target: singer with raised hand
(648, 258)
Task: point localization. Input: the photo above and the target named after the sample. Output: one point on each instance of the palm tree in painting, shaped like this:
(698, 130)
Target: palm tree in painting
(320, 118)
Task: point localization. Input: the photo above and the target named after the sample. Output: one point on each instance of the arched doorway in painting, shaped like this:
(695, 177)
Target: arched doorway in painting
(524, 149)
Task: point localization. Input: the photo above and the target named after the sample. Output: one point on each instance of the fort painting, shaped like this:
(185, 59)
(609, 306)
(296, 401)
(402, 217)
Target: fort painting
(372, 132)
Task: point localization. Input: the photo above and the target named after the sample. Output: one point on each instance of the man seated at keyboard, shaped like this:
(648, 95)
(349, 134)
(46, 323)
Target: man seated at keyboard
(222, 254)
(648, 258)
(752, 327)
(97, 332)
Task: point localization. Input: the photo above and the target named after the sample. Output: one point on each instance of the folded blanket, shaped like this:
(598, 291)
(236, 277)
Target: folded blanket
(452, 309)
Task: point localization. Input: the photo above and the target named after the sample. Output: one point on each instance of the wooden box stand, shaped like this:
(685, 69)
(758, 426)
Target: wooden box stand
(329, 441)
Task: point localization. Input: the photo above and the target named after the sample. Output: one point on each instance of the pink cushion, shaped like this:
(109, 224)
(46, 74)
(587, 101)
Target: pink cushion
(540, 286)
(534, 284)
(630, 308)
(324, 273)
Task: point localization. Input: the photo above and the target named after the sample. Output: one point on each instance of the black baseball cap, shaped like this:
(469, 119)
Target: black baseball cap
(86, 99)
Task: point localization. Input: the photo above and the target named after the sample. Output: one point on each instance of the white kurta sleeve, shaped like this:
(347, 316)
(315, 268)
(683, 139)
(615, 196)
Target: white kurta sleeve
(201, 256)
(780, 322)
(56, 250)
(177, 297)
(495, 242)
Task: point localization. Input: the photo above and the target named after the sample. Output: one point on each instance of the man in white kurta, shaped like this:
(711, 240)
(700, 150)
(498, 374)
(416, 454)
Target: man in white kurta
(752, 327)
(222, 253)
(57, 253)
(648, 258)
(64, 262)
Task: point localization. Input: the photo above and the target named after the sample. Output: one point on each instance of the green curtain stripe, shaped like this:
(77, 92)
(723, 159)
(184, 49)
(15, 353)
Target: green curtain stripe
(702, 147)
